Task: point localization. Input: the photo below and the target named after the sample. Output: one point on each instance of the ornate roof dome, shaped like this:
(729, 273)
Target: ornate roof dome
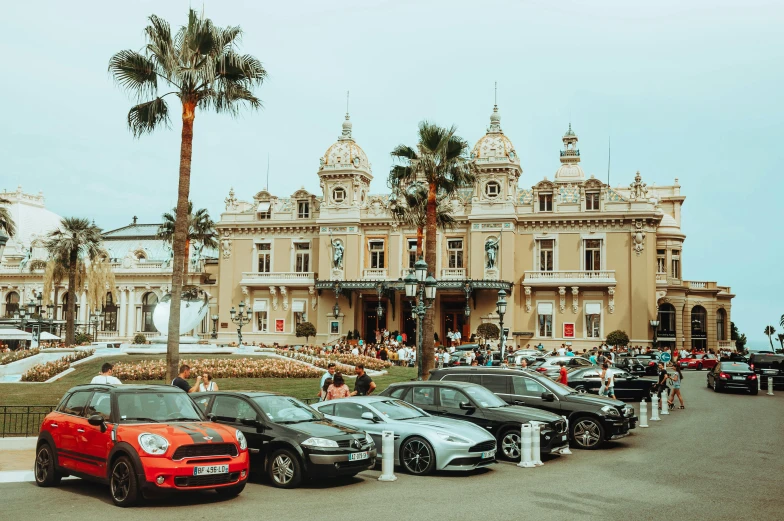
(669, 226)
(33, 222)
(494, 145)
(570, 170)
(345, 153)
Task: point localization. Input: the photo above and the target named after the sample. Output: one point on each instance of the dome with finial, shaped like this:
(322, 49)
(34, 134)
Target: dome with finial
(345, 153)
(494, 145)
(570, 170)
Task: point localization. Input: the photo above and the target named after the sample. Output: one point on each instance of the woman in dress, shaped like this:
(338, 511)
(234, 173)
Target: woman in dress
(338, 389)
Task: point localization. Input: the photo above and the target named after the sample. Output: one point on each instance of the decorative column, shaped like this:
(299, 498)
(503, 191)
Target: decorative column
(575, 299)
(122, 313)
(2, 301)
(131, 331)
(527, 290)
(562, 293)
(611, 303)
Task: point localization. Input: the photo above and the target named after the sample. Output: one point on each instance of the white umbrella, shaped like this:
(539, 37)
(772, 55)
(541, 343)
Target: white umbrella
(14, 334)
(45, 335)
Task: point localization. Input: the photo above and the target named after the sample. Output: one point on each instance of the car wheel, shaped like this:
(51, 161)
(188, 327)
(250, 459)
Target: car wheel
(716, 387)
(232, 491)
(509, 443)
(284, 469)
(417, 456)
(45, 473)
(699, 367)
(707, 380)
(122, 483)
(580, 389)
(753, 391)
(587, 433)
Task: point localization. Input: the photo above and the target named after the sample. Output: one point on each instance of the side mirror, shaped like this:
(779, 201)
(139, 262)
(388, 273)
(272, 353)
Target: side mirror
(96, 420)
(548, 397)
(370, 416)
(466, 406)
(250, 422)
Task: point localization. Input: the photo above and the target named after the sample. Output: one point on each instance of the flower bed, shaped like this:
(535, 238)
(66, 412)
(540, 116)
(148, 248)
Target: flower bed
(317, 361)
(218, 368)
(14, 356)
(43, 372)
(374, 364)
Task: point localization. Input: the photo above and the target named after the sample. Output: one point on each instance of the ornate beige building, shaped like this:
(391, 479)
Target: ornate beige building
(578, 258)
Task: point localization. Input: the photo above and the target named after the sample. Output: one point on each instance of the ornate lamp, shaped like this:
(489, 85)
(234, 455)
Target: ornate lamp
(501, 304)
(420, 267)
(410, 282)
(430, 288)
(336, 310)
(500, 307)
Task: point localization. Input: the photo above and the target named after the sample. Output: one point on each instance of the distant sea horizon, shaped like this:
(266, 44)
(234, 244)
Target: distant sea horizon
(762, 345)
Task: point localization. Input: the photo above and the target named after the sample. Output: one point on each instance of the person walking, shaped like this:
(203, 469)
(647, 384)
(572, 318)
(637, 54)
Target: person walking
(592, 358)
(609, 382)
(676, 378)
(562, 378)
(603, 378)
(338, 389)
(364, 385)
(181, 380)
(661, 384)
(207, 383)
(326, 376)
(106, 376)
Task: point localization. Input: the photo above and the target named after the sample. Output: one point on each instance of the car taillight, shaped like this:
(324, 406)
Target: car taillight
(753, 377)
(724, 375)
(651, 363)
(541, 369)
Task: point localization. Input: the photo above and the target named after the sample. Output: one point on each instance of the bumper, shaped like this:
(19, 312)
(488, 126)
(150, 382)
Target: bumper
(749, 385)
(460, 459)
(178, 475)
(327, 464)
(617, 428)
(552, 443)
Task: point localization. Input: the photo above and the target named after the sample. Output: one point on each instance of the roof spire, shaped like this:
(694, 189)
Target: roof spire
(346, 134)
(495, 117)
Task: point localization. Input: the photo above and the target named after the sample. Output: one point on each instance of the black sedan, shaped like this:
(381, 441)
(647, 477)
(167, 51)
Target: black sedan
(651, 363)
(288, 440)
(475, 404)
(630, 364)
(732, 375)
(626, 386)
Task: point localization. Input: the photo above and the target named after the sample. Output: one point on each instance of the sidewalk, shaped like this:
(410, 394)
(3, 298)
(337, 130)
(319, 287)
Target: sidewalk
(16, 459)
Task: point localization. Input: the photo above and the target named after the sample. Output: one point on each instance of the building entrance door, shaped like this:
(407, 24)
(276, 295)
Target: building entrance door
(372, 321)
(409, 325)
(454, 319)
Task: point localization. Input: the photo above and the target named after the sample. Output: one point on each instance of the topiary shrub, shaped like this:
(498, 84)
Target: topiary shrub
(305, 329)
(138, 338)
(82, 338)
(618, 338)
(488, 331)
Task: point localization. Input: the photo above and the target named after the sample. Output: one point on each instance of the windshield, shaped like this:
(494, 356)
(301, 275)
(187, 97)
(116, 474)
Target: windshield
(398, 410)
(484, 397)
(285, 409)
(156, 407)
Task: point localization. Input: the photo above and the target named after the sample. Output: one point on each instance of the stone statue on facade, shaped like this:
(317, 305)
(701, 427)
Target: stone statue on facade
(491, 252)
(26, 259)
(196, 257)
(337, 254)
(170, 256)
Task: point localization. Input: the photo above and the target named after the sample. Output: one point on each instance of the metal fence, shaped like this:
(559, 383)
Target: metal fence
(22, 420)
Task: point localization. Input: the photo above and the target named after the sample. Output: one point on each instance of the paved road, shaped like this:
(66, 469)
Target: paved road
(719, 458)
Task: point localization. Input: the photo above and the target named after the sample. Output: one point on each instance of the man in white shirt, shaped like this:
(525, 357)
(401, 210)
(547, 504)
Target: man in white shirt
(106, 376)
(355, 350)
(402, 355)
(562, 350)
(457, 337)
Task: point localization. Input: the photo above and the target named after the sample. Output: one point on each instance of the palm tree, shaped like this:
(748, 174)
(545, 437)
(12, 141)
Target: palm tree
(780, 336)
(7, 223)
(74, 241)
(769, 330)
(441, 162)
(201, 229)
(202, 67)
(409, 207)
(781, 322)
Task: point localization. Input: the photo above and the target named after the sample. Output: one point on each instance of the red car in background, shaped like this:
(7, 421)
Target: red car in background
(138, 438)
(699, 361)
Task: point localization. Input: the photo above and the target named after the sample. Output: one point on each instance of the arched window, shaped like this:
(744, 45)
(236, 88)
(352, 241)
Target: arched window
(149, 301)
(721, 324)
(65, 307)
(11, 304)
(109, 314)
(699, 328)
(667, 321)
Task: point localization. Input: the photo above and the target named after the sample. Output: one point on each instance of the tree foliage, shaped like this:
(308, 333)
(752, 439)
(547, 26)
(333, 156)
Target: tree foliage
(618, 338)
(488, 331)
(305, 329)
(7, 223)
(201, 229)
(770, 331)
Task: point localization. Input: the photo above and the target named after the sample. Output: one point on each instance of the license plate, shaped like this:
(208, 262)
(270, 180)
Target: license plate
(738, 377)
(210, 469)
(357, 456)
(770, 371)
(488, 454)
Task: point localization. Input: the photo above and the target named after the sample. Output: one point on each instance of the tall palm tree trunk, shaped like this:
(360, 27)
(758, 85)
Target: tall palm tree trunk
(420, 238)
(180, 239)
(71, 309)
(187, 257)
(770, 339)
(428, 343)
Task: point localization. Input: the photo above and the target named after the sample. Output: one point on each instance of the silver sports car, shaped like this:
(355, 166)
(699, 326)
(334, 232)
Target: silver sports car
(423, 443)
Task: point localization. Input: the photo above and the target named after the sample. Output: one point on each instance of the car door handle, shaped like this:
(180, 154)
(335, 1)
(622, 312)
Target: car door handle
(53, 425)
(519, 402)
(79, 430)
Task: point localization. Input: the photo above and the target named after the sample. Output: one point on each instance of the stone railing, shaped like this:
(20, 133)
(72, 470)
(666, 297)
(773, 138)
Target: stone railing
(566, 277)
(661, 278)
(282, 278)
(108, 334)
(453, 273)
(374, 274)
(700, 284)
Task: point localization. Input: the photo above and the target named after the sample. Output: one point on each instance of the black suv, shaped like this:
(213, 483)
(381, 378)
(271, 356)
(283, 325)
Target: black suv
(592, 419)
(288, 440)
(768, 366)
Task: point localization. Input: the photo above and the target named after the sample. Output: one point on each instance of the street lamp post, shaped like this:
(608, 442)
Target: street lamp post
(214, 326)
(50, 316)
(240, 319)
(95, 318)
(22, 318)
(501, 309)
(422, 286)
(655, 326)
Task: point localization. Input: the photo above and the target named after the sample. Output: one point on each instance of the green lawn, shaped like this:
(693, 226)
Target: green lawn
(50, 394)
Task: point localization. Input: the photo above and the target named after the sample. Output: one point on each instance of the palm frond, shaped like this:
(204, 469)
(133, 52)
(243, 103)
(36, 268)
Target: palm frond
(146, 117)
(7, 223)
(134, 72)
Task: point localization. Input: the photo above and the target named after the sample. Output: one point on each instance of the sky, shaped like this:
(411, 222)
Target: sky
(687, 90)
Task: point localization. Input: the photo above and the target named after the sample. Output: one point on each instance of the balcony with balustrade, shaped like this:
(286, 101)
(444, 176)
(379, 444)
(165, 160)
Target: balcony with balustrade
(374, 274)
(582, 278)
(453, 273)
(278, 278)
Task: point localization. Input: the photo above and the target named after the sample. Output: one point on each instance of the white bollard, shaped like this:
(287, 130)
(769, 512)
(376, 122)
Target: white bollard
(655, 408)
(770, 386)
(526, 459)
(759, 382)
(536, 446)
(387, 456)
(643, 413)
(664, 406)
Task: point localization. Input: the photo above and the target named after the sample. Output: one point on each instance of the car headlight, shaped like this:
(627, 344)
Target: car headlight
(368, 439)
(628, 411)
(153, 444)
(241, 439)
(609, 410)
(451, 438)
(320, 442)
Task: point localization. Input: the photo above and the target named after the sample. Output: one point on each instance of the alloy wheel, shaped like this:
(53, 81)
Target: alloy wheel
(42, 461)
(416, 456)
(587, 433)
(510, 445)
(282, 469)
(121, 481)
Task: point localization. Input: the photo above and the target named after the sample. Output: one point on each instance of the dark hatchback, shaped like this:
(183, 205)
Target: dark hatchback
(592, 419)
(288, 440)
(475, 404)
(732, 375)
(626, 386)
(767, 365)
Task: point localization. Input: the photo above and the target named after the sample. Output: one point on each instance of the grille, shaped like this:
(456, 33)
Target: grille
(205, 449)
(349, 444)
(560, 426)
(203, 481)
(482, 447)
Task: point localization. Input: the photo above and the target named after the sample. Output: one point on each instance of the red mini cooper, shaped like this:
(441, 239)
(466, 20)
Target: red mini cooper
(136, 439)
